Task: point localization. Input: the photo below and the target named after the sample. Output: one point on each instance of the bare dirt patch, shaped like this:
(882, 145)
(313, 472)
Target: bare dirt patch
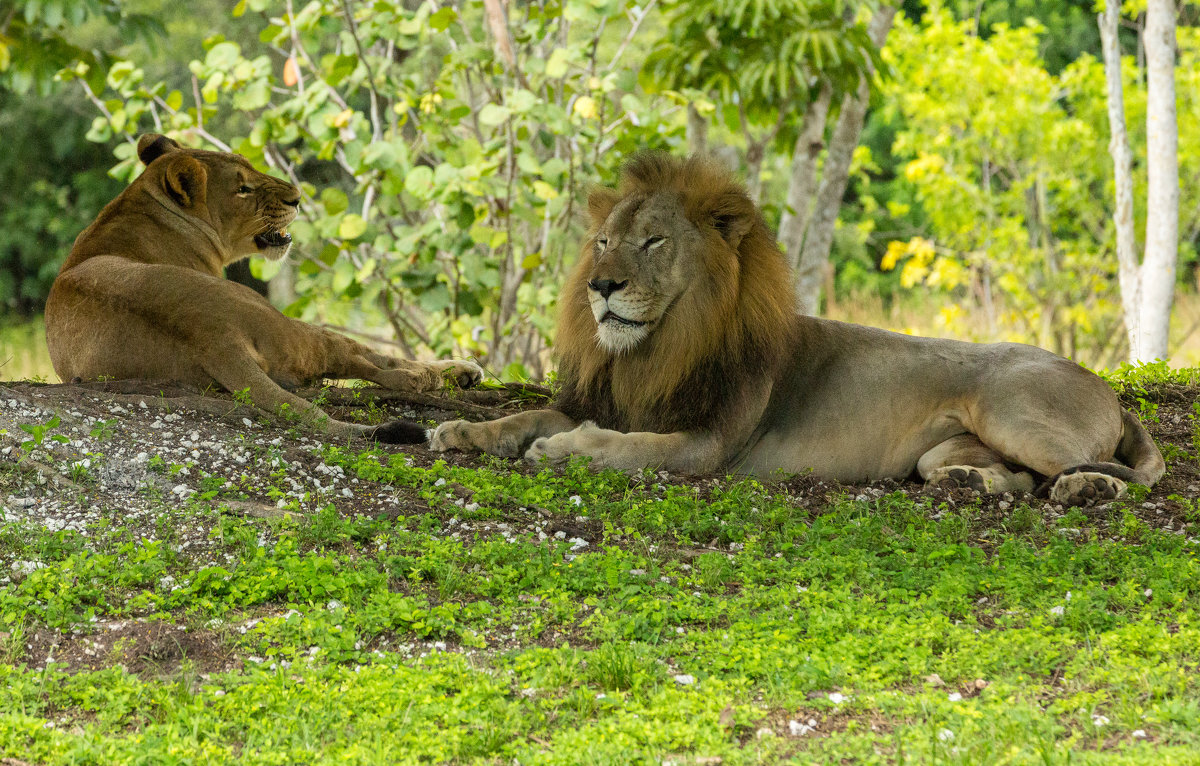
(146, 647)
(130, 424)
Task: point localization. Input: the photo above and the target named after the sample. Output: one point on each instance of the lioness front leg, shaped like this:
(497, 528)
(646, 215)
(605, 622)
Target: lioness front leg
(419, 377)
(507, 437)
(351, 359)
(679, 452)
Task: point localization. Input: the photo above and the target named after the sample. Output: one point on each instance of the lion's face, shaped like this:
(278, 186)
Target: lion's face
(249, 210)
(643, 261)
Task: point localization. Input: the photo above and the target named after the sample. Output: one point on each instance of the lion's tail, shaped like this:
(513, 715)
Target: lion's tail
(1138, 451)
(239, 372)
(1141, 460)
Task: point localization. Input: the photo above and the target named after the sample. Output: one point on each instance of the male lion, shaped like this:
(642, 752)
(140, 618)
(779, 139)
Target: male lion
(681, 349)
(142, 294)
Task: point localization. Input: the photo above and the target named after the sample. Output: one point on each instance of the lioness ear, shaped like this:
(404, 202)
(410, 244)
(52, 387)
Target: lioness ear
(152, 146)
(601, 202)
(733, 216)
(186, 180)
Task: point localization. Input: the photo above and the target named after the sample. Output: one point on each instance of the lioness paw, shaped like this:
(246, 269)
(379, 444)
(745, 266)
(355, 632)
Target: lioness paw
(1086, 488)
(462, 372)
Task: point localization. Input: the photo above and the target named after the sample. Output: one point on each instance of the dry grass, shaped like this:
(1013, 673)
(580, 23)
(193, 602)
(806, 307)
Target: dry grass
(920, 314)
(23, 352)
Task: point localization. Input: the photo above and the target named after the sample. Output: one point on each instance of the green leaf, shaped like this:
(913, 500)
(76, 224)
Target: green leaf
(352, 226)
(442, 20)
(556, 66)
(223, 55)
(419, 181)
(334, 200)
(521, 100)
(493, 114)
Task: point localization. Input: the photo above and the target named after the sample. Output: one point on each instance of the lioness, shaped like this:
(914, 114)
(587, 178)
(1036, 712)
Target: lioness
(142, 294)
(680, 348)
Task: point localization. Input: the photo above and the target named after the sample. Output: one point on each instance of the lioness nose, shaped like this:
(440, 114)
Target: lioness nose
(606, 287)
(295, 202)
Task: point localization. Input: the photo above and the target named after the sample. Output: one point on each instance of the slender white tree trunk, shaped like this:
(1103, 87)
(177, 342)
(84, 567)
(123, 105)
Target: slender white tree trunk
(814, 256)
(1147, 289)
(1162, 189)
(1128, 272)
(802, 183)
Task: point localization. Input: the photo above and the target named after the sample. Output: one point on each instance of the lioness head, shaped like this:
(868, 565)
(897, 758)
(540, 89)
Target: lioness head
(249, 210)
(664, 247)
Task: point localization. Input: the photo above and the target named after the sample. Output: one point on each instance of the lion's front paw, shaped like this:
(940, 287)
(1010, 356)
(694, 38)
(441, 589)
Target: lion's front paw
(491, 437)
(454, 435)
(587, 439)
(462, 372)
(553, 448)
(1086, 488)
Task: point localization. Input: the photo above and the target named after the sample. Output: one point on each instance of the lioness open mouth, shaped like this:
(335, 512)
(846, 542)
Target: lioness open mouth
(272, 238)
(622, 320)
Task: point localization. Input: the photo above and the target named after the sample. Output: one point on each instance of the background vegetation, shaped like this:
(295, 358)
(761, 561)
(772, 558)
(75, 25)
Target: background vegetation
(444, 153)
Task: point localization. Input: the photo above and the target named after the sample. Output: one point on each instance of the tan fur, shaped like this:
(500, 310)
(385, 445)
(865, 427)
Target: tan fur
(681, 349)
(142, 294)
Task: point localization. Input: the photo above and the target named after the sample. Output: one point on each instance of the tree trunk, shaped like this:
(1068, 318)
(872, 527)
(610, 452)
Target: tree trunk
(1128, 275)
(755, 153)
(814, 257)
(1162, 187)
(802, 184)
(1147, 289)
(697, 131)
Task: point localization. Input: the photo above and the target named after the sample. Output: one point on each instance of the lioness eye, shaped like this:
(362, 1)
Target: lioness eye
(602, 242)
(243, 189)
(653, 242)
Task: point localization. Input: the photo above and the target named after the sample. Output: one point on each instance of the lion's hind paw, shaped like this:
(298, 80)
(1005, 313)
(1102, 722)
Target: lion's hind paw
(1086, 488)
(957, 477)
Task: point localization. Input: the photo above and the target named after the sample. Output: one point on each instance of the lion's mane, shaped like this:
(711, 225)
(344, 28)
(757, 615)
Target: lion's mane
(726, 333)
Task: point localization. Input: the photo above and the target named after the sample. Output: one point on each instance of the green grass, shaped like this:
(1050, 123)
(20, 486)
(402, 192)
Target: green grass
(392, 641)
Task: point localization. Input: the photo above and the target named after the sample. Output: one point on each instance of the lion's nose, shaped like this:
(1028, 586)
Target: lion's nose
(293, 202)
(606, 287)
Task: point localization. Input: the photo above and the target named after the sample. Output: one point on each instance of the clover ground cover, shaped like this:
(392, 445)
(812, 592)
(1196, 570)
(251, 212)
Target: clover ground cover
(497, 612)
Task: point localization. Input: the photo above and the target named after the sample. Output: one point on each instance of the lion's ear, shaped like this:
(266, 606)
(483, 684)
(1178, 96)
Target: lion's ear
(733, 216)
(152, 146)
(601, 202)
(186, 180)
